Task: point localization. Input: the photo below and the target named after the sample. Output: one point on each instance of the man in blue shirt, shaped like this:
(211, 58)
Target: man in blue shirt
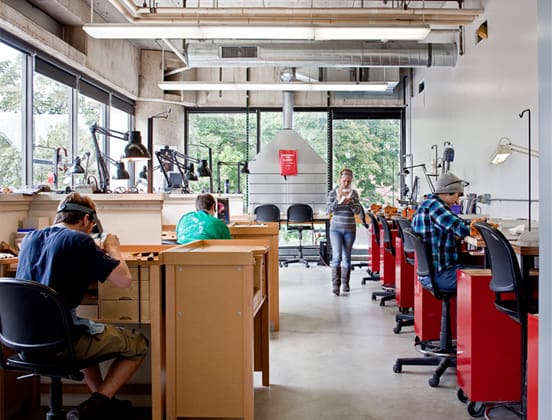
(440, 227)
(66, 258)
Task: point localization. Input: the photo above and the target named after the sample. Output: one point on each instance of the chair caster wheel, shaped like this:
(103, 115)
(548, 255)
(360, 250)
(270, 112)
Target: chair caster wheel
(462, 397)
(397, 329)
(476, 409)
(397, 368)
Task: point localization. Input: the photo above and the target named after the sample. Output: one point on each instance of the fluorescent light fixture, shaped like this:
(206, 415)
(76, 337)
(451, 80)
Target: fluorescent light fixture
(505, 148)
(291, 86)
(414, 32)
(253, 32)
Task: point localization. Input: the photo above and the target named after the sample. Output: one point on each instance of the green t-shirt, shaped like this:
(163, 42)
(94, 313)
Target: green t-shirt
(200, 225)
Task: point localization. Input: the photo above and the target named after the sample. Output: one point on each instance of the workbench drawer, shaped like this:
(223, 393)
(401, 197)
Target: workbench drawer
(137, 290)
(124, 310)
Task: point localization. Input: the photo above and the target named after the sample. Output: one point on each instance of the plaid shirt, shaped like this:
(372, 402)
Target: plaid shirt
(438, 226)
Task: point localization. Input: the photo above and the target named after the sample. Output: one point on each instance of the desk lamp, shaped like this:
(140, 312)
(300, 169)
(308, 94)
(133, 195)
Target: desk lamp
(134, 150)
(406, 171)
(243, 168)
(169, 158)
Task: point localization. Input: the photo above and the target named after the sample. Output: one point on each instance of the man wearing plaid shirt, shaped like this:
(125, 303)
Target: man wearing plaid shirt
(439, 227)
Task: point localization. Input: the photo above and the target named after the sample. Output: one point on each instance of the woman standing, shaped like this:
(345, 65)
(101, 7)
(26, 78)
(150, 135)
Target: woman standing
(343, 204)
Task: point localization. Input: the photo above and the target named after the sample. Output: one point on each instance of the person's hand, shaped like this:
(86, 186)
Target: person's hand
(111, 243)
(473, 230)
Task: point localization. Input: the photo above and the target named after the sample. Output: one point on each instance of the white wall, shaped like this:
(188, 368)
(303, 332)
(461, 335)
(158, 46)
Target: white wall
(477, 102)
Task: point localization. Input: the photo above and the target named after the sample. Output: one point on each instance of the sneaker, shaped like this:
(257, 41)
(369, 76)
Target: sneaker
(346, 287)
(95, 407)
(121, 409)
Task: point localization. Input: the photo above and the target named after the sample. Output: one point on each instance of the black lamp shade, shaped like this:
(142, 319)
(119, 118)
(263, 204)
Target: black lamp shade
(203, 170)
(77, 168)
(135, 150)
(143, 173)
(245, 168)
(190, 176)
(121, 172)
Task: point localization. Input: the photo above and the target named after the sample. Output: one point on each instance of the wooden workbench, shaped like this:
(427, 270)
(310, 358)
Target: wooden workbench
(270, 233)
(216, 327)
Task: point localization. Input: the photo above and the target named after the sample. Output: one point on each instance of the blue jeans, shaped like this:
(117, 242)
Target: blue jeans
(446, 279)
(342, 247)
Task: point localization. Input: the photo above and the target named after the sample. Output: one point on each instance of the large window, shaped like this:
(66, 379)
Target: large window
(11, 117)
(311, 126)
(232, 139)
(52, 131)
(370, 147)
(39, 144)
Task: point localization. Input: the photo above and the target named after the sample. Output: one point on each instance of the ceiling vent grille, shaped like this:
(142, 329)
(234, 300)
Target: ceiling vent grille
(238, 52)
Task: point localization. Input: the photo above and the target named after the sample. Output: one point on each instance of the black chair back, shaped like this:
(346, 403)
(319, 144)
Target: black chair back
(403, 224)
(425, 262)
(267, 213)
(34, 322)
(387, 236)
(506, 274)
(362, 216)
(375, 227)
(300, 213)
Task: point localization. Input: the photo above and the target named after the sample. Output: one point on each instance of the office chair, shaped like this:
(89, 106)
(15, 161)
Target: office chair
(405, 294)
(35, 324)
(388, 264)
(512, 294)
(299, 218)
(267, 213)
(443, 353)
(373, 271)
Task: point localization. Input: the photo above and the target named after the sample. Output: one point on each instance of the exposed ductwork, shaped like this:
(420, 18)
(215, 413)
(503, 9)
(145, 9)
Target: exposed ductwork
(320, 54)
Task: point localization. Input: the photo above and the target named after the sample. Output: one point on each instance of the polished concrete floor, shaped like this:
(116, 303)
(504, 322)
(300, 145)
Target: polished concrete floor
(333, 356)
(332, 359)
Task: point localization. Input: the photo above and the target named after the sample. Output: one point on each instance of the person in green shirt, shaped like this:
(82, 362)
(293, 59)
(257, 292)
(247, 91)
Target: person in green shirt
(201, 224)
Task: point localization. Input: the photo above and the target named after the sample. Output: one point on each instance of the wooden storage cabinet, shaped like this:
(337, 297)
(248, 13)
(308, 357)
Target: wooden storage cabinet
(216, 328)
(268, 232)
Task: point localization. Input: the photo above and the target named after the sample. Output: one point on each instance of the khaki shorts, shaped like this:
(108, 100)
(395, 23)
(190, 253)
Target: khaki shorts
(121, 343)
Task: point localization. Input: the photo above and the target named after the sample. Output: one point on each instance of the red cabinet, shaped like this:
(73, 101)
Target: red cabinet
(533, 367)
(404, 278)
(489, 342)
(387, 261)
(427, 313)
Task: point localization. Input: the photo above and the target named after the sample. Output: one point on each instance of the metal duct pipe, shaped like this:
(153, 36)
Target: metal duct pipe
(287, 110)
(320, 54)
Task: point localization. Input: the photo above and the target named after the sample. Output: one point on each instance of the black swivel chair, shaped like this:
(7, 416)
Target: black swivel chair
(373, 271)
(388, 292)
(506, 278)
(299, 218)
(404, 318)
(443, 353)
(35, 324)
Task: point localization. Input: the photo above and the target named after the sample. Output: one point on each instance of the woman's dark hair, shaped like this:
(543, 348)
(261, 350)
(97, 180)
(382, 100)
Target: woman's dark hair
(205, 202)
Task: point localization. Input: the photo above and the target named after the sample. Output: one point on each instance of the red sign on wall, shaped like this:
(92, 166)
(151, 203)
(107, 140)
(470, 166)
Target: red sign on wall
(288, 162)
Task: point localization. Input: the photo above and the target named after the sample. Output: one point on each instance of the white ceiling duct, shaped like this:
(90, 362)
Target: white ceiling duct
(320, 54)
